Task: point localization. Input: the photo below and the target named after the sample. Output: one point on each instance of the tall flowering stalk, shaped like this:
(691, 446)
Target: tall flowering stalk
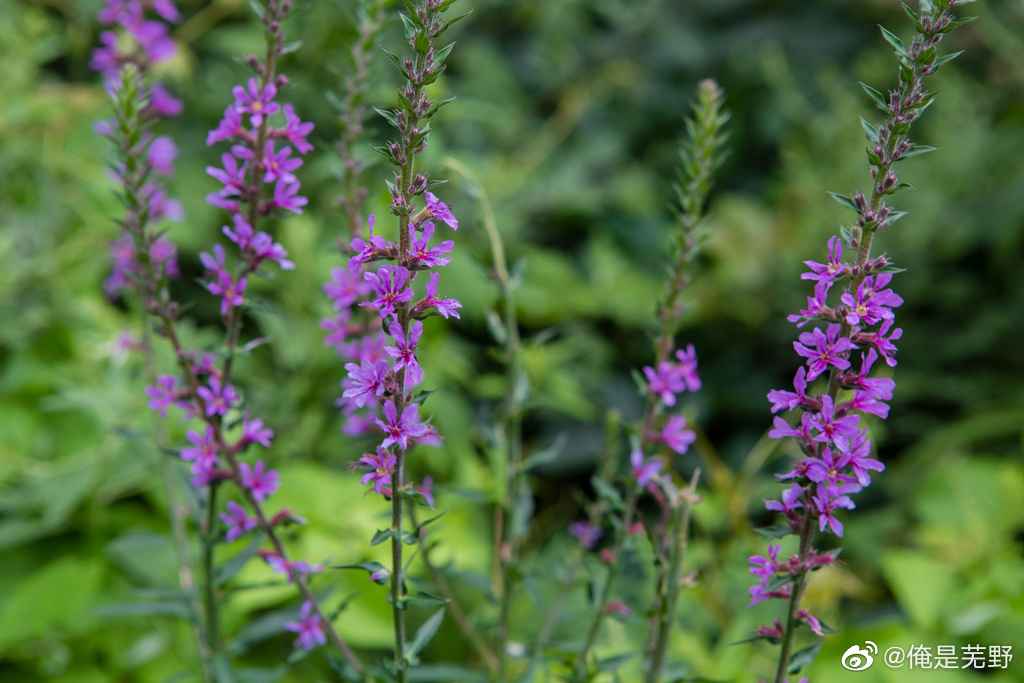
(382, 382)
(859, 329)
(203, 389)
(674, 372)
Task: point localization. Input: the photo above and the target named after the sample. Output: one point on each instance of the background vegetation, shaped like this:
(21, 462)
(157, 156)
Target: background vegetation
(569, 114)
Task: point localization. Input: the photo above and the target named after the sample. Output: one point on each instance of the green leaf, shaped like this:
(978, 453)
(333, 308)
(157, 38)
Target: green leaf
(870, 130)
(371, 567)
(423, 525)
(388, 115)
(777, 531)
(445, 673)
(426, 599)
(144, 609)
(893, 39)
(804, 656)
(545, 455)
(845, 201)
(613, 663)
(397, 60)
(608, 492)
(876, 97)
(381, 536)
(917, 150)
(422, 43)
(423, 636)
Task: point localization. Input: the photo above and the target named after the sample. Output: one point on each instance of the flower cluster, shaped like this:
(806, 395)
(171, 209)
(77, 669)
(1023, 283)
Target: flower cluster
(838, 453)
(139, 41)
(371, 305)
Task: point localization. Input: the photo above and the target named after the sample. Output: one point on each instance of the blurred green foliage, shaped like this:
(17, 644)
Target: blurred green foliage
(569, 114)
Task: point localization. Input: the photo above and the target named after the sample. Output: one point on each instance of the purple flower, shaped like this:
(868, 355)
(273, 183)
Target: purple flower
(261, 483)
(388, 282)
(666, 382)
(214, 264)
(644, 472)
(295, 131)
(404, 351)
(832, 430)
(279, 565)
(164, 103)
(871, 305)
(883, 344)
(826, 350)
(365, 251)
(687, 367)
(163, 394)
(400, 430)
(241, 235)
(426, 488)
(230, 126)
(231, 290)
(286, 197)
(812, 623)
(345, 287)
(833, 269)
(586, 533)
(788, 399)
(383, 466)
(817, 305)
(337, 329)
(202, 454)
(278, 164)
(161, 155)
(446, 307)
(365, 380)
(790, 500)
(253, 431)
(861, 463)
(237, 522)
(440, 210)
(676, 435)
(765, 567)
(232, 176)
(420, 248)
(218, 399)
(264, 248)
(826, 505)
(880, 388)
(309, 627)
(827, 470)
(255, 102)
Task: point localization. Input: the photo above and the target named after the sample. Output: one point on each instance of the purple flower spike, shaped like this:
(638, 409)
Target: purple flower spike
(400, 430)
(237, 521)
(309, 627)
(389, 284)
(218, 400)
(440, 210)
(255, 102)
(383, 464)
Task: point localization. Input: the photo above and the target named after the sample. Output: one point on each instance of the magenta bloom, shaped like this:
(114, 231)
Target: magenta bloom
(827, 350)
(837, 432)
(365, 380)
(255, 102)
(229, 127)
(237, 522)
(617, 607)
(279, 565)
(644, 472)
(218, 399)
(427, 489)
(871, 303)
(232, 176)
(440, 210)
(826, 470)
(163, 394)
(164, 103)
(287, 197)
(422, 252)
(400, 430)
(383, 464)
(823, 272)
(337, 329)
(161, 155)
(309, 627)
(253, 431)
(389, 284)
(788, 399)
(676, 435)
(666, 382)
(365, 251)
(279, 165)
(202, 454)
(790, 500)
(817, 305)
(586, 533)
(241, 235)
(231, 290)
(261, 483)
(687, 367)
(826, 505)
(404, 351)
(446, 307)
(345, 287)
(295, 131)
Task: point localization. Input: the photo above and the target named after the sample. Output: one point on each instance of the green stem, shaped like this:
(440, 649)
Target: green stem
(210, 605)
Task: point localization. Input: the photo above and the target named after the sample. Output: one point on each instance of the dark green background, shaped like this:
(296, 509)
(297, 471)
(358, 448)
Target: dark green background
(569, 113)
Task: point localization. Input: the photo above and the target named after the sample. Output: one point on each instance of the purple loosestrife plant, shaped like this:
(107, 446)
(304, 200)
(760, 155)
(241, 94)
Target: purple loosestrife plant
(378, 397)
(204, 388)
(858, 329)
(674, 371)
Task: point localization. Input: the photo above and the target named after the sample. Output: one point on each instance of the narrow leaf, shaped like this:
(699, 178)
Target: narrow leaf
(423, 636)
